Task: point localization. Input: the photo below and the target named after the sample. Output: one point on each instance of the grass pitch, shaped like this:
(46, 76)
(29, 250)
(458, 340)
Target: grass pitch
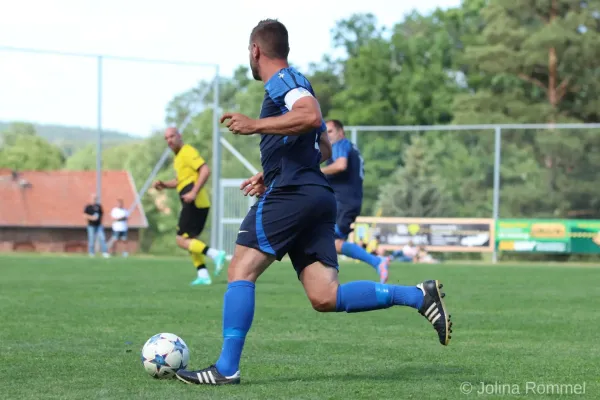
(73, 328)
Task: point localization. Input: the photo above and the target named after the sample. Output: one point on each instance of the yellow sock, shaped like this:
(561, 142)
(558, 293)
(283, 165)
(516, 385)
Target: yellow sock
(196, 246)
(197, 259)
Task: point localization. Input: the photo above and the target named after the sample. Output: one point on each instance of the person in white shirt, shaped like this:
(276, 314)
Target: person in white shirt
(410, 251)
(119, 216)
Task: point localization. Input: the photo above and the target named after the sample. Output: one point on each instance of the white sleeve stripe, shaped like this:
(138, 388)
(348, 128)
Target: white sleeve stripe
(294, 95)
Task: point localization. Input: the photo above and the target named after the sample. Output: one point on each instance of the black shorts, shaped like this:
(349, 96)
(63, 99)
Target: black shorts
(191, 218)
(346, 215)
(298, 221)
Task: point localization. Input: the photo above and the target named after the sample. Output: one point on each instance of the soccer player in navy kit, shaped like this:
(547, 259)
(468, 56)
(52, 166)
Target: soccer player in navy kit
(345, 172)
(295, 214)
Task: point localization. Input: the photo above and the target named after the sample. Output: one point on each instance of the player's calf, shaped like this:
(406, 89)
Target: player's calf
(326, 295)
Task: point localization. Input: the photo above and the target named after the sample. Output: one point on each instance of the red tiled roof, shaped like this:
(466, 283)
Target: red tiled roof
(57, 198)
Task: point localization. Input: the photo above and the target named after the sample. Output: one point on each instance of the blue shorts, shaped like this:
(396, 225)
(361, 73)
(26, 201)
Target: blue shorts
(121, 235)
(294, 220)
(346, 215)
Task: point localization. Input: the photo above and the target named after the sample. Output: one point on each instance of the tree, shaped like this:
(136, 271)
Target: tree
(22, 149)
(414, 190)
(325, 79)
(31, 153)
(409, 79)
(118, 157)
(355, 32)
(13, 131)
(539, 63)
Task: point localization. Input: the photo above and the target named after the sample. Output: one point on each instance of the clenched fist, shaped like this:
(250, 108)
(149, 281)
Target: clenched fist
(239, 123)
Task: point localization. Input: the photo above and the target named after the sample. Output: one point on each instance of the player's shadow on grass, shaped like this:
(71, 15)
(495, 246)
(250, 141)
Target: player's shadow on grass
(406, 373)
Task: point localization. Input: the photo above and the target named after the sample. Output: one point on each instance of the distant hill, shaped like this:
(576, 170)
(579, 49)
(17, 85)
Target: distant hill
(72, 138)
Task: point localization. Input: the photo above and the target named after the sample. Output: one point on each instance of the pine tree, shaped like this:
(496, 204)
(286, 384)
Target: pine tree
(414, 189)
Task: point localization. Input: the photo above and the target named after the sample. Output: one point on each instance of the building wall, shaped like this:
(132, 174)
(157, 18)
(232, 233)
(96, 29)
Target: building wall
(61, 240)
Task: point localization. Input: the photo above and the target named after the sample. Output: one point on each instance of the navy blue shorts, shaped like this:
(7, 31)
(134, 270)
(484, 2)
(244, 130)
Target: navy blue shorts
(120, 235)
(294, 220)
(346, 215)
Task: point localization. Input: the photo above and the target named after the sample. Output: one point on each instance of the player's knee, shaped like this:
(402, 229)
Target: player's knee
(247, 264)
(181, 242)
(325, 298)
(321, 285)
(323, 302)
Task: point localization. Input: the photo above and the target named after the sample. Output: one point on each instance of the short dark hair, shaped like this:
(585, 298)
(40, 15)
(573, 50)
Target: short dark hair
(273, 36)
(337, 123)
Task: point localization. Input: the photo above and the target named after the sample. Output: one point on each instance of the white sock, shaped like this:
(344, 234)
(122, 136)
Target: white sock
(203, 273)
(212, 253)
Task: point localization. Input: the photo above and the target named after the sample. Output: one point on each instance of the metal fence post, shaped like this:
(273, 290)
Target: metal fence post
(496, 206)
(216, 165)
(99, 134)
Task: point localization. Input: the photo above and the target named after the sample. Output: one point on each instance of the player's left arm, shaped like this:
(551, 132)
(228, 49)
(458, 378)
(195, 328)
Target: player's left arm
(340, 160)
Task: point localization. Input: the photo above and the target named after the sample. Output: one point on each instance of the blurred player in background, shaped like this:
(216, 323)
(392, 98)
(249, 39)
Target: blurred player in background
(93, 213)
(192, 173)
(119, 216)
(345, 172)
(295, 214)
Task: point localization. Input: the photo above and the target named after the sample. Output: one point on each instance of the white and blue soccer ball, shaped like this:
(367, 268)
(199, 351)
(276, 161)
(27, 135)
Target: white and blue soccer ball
(164, 354)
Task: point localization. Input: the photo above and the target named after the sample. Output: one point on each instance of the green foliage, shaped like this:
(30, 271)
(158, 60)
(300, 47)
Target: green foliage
(118, 157)
(22, 149)
(538, 61)
(414, 190)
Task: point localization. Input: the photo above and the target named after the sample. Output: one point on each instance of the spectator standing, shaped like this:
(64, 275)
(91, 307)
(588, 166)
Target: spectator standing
(93, 214)
(119, 216)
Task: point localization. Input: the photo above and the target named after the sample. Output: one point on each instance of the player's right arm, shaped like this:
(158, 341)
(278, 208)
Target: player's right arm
(325, 147)
(304, 115)
(160, 185)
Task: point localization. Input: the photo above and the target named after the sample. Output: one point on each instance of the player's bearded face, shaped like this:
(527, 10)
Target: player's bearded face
(254, 69)
(254, 63)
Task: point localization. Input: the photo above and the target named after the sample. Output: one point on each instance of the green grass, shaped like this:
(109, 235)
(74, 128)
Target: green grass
(66, 320)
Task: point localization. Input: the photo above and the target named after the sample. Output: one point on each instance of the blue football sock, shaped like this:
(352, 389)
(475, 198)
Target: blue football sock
(238, 312)
(361, 296)
(353, 250)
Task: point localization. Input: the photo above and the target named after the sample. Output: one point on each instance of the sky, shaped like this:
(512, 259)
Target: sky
(55, 89)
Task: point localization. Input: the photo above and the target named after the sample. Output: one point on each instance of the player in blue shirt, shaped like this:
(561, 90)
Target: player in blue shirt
(345, 171)
(295, 214)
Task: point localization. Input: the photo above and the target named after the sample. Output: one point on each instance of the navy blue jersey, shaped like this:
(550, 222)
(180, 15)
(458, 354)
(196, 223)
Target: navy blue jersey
(348, 184)
(289, 160)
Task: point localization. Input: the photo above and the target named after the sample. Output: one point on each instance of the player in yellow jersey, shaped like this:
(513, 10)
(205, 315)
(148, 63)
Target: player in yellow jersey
(192, 173)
